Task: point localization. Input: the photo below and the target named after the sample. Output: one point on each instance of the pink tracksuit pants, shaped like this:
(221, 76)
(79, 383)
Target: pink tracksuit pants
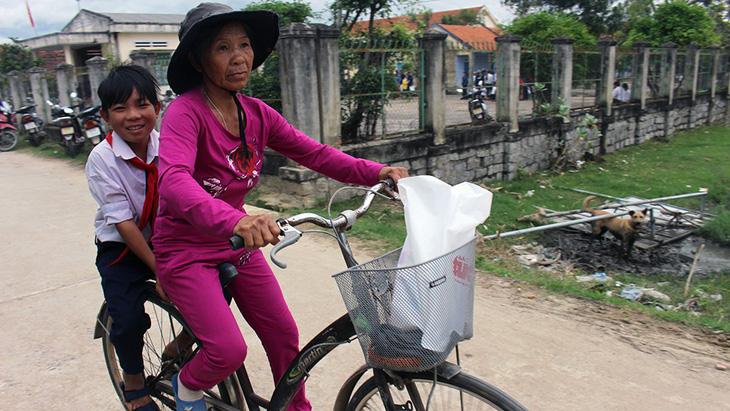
(190, 279)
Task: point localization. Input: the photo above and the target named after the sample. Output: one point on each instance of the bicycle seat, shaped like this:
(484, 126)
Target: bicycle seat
(226, 273)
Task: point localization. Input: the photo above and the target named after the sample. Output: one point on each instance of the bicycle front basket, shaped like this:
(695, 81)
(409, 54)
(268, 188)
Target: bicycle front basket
(410, 318)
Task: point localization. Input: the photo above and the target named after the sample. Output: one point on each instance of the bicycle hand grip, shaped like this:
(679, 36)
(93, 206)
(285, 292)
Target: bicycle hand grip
(236, 242)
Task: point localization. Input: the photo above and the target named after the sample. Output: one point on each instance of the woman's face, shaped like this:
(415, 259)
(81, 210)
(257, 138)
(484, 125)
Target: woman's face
(227, 60)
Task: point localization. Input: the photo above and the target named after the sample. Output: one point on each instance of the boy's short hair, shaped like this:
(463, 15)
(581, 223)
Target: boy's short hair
(122, 80)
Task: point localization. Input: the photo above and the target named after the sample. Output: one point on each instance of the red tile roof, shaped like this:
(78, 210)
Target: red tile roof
(470, 34)
(436, 17)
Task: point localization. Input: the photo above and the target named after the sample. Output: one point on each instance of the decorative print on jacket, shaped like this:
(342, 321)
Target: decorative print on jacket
(243, 169)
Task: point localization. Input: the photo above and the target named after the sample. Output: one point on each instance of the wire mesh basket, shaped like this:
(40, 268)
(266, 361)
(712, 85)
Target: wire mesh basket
(411, 318)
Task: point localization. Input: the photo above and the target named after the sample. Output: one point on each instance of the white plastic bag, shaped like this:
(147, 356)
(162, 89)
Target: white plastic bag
(439, 218)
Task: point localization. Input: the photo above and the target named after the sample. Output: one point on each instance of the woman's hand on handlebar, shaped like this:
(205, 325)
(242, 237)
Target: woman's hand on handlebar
(257, 231)
(396, 173)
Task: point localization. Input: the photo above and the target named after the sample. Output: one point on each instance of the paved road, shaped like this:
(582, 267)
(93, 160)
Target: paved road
(550, 353)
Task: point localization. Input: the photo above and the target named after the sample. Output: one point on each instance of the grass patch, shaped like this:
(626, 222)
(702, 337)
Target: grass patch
(50, 148)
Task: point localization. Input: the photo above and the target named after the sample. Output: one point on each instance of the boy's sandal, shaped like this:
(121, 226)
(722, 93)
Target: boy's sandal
(197, 405)
(132, 395)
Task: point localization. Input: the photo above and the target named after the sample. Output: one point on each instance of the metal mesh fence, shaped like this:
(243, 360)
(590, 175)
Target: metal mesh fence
(586, 77)
(723, 72)
(536, 77)
(704, 72)
(470, 58)
(656, 81)
(264, 83)
(381, 89)
(158, 67)
(624, 71)
(681, 77)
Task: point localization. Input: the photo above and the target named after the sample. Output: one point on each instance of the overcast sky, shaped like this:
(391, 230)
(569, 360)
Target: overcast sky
(50, 16)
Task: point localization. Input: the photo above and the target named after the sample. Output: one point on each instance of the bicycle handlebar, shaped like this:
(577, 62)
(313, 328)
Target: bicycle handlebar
(345, 220)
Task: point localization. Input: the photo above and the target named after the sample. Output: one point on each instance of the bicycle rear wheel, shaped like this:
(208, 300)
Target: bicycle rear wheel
(167, 324)
(461, 392)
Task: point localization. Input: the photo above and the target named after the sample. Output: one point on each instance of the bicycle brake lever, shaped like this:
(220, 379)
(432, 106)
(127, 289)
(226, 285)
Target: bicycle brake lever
(291, 236)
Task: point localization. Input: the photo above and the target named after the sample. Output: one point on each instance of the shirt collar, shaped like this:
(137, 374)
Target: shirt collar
(122, 150)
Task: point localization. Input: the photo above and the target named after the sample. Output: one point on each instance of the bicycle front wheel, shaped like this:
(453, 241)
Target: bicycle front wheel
(461, 392)
(167, 330)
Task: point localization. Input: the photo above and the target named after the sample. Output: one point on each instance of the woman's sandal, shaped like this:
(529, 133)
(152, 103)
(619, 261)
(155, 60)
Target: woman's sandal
(132, 395)
(197, 405)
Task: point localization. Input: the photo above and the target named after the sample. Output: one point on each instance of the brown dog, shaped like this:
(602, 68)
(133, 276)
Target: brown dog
(624, 229)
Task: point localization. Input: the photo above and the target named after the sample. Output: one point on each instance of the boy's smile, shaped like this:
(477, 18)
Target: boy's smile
(133, 120)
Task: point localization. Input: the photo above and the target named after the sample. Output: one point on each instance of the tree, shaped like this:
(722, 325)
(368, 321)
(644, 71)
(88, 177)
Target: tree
(17, 57)
(289, 12)
(264, 82)
(624, 16)
(542, 27)
(464, 18)
(350, 12)
(676, 22)
(720, 13)
(592, 13)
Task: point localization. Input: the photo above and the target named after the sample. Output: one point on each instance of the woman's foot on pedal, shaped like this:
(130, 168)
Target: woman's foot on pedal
(197, 405)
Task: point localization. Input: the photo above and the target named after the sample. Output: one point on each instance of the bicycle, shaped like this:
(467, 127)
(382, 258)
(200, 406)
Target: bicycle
(396, 386)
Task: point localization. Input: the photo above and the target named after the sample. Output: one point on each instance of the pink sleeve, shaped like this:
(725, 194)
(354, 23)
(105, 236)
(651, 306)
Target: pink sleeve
(333, 163)
(179, 192)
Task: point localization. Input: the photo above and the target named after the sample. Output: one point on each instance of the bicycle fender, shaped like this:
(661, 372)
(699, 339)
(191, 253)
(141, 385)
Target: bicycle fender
(345, 392)
(99, 327)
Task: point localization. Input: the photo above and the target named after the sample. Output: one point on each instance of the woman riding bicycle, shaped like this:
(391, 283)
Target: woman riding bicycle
(211, 151)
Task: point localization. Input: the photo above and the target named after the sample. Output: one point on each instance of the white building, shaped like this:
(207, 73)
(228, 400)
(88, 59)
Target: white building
(111, 35)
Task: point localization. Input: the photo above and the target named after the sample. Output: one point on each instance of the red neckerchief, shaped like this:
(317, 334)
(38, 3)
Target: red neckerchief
(151, 198)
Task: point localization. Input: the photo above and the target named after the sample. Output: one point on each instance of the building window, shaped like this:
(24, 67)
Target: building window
(150, 44)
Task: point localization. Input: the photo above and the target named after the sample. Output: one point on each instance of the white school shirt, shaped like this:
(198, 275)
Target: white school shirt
(117, 186)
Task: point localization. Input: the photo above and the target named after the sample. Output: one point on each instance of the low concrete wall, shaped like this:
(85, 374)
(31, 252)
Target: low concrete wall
(490, 152)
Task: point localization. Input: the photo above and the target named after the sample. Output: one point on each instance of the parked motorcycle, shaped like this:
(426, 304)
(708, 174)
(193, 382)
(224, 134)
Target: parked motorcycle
(91, 124)
(478, 108)
(71, 137)
(32, 124)
(8, 132)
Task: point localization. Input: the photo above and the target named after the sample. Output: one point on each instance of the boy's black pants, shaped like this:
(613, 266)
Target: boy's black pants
(125, 290)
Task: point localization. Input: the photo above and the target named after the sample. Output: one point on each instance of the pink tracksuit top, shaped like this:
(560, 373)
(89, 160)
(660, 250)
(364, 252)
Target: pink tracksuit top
(204, 175)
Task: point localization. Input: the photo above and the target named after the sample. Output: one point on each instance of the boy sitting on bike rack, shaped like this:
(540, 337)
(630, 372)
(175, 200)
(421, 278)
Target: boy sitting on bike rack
(122, 177)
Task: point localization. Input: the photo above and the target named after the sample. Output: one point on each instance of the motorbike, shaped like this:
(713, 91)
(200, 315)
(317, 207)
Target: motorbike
(71, 137)
(478, 108)
(32, 124)
(91, 125)
(8, 132)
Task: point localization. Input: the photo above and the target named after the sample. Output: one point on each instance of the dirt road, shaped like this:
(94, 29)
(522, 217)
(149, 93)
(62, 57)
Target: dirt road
(551, 353)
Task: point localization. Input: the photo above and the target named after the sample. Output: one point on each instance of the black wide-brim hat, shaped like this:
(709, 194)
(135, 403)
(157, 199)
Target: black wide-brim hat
(263, 30)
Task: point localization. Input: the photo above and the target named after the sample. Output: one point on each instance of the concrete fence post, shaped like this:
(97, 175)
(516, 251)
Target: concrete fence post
(691, 70)
(142, 58)
(640, 82)
(63, 71)
(328, 73)
(35, 73)
(433, 43)
(96, 65)
(608, 68)
(298, 77)
(669, 71)
(15, 87)
(508, 80)
(563, 71)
